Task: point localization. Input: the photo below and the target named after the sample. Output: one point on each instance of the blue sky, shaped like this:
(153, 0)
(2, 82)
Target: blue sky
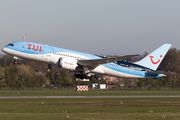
(118, 27)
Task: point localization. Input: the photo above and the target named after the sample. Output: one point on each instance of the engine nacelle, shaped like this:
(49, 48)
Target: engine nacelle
(69, 64)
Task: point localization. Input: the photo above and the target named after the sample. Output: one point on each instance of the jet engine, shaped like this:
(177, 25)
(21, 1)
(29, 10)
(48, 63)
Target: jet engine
(70, 64)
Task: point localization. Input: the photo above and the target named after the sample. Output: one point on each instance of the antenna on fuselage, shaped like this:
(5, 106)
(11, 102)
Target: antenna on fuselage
(24, 38)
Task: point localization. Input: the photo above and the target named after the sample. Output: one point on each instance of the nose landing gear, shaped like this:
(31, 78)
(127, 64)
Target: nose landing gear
(15, 62)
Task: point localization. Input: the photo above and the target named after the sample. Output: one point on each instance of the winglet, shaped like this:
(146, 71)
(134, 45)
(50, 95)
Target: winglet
(154, 59)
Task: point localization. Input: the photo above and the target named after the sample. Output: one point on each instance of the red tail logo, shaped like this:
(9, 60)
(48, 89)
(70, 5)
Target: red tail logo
(153, 61)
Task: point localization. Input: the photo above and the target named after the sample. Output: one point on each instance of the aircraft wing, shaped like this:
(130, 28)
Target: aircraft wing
(96, 62)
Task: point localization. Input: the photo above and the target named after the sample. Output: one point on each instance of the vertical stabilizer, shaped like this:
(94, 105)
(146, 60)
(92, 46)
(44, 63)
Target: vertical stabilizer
(154, 59)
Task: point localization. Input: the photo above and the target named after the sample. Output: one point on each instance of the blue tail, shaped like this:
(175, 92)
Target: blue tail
(154, 59)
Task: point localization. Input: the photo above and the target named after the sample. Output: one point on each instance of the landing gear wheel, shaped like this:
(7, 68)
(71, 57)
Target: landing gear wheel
(82, 76)
(15, 62)
(78, 75)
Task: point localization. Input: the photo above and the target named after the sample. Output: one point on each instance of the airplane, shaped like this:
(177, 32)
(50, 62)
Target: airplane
(88, 64)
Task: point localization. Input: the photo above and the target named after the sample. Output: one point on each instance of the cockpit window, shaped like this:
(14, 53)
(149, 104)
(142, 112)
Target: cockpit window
(11, 44)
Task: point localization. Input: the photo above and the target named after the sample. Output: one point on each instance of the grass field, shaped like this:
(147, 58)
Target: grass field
(90, 109)
(75, 93)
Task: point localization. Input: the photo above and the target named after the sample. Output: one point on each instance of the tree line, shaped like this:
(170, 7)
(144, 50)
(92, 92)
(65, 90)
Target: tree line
(34, 74)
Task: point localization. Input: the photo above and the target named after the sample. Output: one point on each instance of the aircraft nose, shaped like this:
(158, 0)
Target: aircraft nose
(4, 49)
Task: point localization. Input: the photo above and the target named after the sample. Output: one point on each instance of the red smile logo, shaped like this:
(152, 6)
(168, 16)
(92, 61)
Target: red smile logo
(153, 61)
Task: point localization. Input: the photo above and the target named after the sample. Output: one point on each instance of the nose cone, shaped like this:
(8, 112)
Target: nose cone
(4, 49)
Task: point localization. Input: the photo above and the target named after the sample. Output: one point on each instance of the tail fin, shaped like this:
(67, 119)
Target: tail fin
(154, 59)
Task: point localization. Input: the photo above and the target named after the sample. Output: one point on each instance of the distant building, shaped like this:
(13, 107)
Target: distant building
(111, 81)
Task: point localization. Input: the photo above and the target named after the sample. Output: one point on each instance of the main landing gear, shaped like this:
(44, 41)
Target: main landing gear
(82, 76)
